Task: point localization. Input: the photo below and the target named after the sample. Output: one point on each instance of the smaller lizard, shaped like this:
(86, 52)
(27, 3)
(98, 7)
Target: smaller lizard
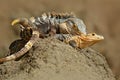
(81, 41)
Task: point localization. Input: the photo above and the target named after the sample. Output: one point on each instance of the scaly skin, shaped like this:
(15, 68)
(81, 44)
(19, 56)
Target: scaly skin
(53, 23)
(27, 47)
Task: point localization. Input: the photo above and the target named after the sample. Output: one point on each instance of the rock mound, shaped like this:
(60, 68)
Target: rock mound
(50, 59)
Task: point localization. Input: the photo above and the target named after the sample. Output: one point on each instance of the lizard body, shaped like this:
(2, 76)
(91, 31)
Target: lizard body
(55, 23)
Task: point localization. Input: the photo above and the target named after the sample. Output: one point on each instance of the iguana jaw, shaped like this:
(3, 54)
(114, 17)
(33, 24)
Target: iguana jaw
(90, 39)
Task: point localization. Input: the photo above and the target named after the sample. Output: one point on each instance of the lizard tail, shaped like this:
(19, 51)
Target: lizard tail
(28, 46)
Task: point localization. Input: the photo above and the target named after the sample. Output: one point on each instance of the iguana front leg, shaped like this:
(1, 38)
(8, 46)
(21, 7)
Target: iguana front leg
(67, 38)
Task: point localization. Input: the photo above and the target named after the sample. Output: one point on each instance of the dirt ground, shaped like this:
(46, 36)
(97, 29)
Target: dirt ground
(57, 61)
(100, 16)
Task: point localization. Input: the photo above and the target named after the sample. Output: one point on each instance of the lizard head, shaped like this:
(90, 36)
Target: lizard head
(90, 39)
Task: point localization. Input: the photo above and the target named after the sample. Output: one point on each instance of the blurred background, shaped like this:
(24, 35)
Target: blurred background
(100, 16)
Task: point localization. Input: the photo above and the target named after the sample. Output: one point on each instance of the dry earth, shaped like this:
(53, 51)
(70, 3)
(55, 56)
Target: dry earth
(51, 59)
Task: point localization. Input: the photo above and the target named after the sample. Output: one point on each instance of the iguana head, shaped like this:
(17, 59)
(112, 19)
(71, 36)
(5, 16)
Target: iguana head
(89, 39)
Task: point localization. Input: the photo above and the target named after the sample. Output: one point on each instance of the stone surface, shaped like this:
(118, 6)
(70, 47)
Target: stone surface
(50, 59)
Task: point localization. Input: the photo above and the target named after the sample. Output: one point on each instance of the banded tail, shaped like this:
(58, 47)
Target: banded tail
(27, 47)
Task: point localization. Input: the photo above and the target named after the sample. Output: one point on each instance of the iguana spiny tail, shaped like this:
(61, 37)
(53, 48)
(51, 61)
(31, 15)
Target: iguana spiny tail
(27, 47)
(81, 41)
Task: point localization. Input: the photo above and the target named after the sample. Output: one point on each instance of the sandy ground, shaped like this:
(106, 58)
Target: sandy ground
(51, 59)
(100, 16)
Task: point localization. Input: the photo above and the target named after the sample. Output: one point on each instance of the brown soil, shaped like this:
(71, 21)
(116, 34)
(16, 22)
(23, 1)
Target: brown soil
(50, 59)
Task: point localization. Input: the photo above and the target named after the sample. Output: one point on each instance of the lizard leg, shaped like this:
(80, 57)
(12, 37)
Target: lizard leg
(59, 37)
(67, 38)
(73, 43)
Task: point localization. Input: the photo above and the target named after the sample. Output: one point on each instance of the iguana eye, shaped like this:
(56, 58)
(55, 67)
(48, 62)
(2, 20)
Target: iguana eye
(93, 34)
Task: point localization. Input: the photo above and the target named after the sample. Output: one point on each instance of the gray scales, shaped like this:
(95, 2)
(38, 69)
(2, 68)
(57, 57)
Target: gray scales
(48, 20)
